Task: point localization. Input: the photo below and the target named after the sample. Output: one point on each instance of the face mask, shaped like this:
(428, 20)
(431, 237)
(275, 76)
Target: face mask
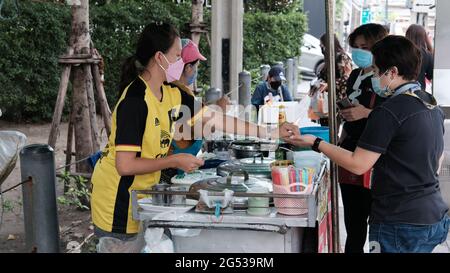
(361, 57)
(275, 85)
(192, 78)
(174, 71)
(376, 86)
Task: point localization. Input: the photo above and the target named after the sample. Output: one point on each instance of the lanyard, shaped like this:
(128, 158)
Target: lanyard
(356, 90)
(360, 78)
(410, 89)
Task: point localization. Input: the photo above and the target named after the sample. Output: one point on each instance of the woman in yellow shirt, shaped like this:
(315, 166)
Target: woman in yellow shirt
(142, 130)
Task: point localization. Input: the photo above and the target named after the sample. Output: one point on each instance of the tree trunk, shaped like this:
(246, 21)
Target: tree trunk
(80, 42)
(197, 18)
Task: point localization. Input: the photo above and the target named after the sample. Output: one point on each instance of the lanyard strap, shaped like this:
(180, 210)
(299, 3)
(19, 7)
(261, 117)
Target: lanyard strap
(410, 89)
(360, 78)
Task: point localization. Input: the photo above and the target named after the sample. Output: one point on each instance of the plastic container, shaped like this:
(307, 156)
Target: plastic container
(258, 205)
(307, 159)
(319, 131)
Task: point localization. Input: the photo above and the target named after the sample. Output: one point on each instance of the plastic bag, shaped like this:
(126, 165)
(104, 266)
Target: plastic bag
(11, 142)
(114, 245)
(157, 241)
(174, 216)
(319, 104)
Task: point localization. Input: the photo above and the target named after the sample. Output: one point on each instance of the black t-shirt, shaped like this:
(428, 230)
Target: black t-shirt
(405, 186)
(368, 99)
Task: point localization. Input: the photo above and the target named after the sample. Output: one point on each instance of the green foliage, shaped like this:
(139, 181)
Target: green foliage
(116, 27)
(78, 193)
(269, 38)
(31, 44)
(283, 6)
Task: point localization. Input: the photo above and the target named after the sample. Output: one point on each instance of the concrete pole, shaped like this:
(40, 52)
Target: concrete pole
(290, 75)
(37, 162)
(264, 71)
(245, 82)
(227, 27)
(236, 44)
(217, 32)
(295, 79)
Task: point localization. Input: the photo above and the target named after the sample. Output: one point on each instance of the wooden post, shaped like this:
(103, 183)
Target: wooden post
(92, 112)
(69, 147)
(101, 96)
(54, 131)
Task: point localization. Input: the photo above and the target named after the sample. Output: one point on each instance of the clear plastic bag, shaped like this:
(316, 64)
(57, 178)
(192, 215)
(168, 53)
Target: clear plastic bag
(157, 241)
(11, 142)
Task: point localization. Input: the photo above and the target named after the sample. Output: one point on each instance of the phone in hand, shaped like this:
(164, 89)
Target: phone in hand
(344, 104)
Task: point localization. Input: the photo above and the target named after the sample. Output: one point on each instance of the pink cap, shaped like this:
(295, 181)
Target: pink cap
(190, 52)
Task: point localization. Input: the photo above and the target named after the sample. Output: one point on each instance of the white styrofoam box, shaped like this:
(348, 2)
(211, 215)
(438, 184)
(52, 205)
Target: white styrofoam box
(269, 113)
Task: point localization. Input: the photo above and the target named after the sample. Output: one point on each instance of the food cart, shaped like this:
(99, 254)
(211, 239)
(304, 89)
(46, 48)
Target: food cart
(236, 230)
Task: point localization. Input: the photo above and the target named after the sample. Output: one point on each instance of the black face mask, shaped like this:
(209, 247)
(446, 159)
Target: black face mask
(275, 85)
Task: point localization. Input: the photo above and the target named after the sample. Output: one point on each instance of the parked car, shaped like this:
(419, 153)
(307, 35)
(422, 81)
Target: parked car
(311, 56)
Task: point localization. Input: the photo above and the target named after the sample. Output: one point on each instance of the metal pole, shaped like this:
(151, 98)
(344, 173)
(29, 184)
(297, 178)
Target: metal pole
(37, 162)
(330, 57)
(290, 75)
(245, 82)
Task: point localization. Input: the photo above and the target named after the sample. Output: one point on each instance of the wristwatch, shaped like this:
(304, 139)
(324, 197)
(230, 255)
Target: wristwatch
(315, 146)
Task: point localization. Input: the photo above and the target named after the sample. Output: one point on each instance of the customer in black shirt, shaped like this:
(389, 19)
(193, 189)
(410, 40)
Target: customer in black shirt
(403, 141)
(355, 195)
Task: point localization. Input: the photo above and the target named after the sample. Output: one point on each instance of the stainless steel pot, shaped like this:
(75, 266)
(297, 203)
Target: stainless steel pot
(250, 148)
(258, 167)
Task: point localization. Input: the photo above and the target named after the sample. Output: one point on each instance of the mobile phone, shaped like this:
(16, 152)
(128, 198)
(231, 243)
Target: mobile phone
(344, 104)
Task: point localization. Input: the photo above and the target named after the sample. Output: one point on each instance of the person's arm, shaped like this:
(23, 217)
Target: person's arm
(357, 162)
(128, 164)
(131, 119)
(375, 140)
(355, 113)
(217, 120)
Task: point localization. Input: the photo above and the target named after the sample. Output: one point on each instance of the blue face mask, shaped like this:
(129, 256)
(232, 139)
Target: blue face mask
(192, 78)
(376, 87)
(361, 57)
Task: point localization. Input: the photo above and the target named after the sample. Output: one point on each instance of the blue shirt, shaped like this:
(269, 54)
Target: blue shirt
(263, 89)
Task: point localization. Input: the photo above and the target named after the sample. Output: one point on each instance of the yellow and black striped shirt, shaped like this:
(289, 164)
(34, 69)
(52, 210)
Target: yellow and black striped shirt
(143, 124)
